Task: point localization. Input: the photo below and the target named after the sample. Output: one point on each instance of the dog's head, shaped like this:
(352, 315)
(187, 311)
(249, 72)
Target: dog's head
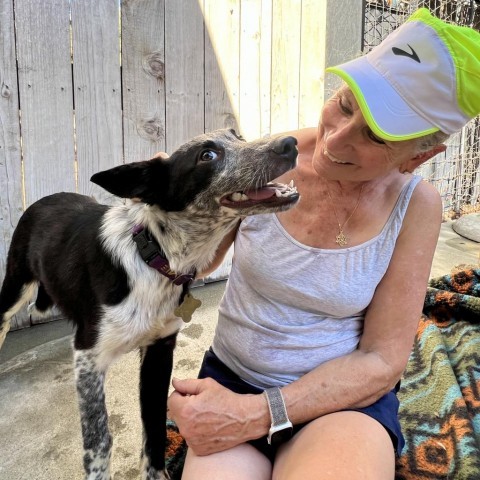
(212, 172)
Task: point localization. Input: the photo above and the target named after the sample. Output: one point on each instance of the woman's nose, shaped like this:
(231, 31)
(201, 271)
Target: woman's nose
(342, 134)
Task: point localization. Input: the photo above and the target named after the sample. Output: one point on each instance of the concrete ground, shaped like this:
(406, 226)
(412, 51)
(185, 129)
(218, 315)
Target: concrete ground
(39, 422)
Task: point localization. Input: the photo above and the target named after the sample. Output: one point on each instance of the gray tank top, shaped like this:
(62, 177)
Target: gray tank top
(289, 307)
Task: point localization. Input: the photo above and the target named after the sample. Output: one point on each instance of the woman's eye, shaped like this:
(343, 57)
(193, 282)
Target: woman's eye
(208, 155)
(343, 107)
(376, 139)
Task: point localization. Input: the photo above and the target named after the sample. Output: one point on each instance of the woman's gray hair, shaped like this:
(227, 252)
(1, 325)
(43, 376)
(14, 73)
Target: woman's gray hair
(427, 142)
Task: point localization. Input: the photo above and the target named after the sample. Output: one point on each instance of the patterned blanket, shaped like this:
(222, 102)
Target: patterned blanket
(440, 392)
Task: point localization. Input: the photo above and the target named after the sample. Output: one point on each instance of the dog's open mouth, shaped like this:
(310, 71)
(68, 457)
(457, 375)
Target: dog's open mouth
(270, 194)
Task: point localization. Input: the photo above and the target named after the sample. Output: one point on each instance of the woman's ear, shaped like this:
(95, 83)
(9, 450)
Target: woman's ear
(410, 165)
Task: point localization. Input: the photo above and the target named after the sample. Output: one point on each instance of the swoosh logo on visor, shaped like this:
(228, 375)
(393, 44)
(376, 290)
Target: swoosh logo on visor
(413, 55)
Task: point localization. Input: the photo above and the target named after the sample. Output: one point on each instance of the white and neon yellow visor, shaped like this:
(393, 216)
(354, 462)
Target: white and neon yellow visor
(424, 77)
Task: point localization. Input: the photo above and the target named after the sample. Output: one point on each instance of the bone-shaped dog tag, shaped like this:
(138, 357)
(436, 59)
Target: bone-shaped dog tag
(187, 307)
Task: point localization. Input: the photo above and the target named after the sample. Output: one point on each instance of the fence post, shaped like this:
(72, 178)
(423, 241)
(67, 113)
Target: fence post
(343, 39)
(11, 203)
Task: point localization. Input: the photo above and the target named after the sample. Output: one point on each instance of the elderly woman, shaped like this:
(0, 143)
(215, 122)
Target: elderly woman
(323, 301)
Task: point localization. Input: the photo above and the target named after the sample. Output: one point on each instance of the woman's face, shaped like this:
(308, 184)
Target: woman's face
(348, 150)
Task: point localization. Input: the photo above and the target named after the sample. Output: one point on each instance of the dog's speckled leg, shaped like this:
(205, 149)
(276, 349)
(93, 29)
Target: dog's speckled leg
(151, 473)
(155, 372)
(97, 442)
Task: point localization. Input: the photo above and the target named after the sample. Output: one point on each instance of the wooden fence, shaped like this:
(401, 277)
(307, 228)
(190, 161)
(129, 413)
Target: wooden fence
(89, 84)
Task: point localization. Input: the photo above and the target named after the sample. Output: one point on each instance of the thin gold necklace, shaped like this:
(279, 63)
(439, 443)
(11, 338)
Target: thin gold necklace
(341, 239)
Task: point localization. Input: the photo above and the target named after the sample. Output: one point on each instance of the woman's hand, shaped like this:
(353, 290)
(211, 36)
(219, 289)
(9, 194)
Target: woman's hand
(212, 418)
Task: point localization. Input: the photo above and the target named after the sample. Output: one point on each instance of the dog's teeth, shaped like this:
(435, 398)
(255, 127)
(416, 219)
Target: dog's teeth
(238, 197)
(282, 190)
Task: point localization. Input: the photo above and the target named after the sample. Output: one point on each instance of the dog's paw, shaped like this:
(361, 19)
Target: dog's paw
(156, 475)
(151, 473)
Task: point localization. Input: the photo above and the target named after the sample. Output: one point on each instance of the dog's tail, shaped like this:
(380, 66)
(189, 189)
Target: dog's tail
(12, 298)
(19, 285)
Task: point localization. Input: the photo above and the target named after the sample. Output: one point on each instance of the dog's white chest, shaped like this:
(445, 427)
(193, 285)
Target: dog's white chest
(144, 316)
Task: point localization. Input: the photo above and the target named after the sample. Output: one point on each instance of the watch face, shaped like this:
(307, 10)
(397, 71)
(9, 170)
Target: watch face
(281, 436)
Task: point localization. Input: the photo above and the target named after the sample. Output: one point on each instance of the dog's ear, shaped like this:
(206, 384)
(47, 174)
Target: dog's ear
(131, 180)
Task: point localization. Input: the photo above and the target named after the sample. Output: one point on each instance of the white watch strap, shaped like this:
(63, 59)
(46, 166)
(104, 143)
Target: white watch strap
(276, 405)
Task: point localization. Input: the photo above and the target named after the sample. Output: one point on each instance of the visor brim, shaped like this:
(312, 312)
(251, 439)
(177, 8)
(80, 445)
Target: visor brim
(384, 110)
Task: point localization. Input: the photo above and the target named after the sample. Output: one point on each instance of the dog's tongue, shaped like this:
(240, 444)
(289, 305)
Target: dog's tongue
(262, 194)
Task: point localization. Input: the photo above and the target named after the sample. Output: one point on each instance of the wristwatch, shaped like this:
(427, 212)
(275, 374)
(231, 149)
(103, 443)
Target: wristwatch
(281, 428)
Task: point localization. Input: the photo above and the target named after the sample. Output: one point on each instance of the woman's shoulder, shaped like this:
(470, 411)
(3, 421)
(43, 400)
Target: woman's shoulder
(420, 192)
(424, 209)
(425, 195)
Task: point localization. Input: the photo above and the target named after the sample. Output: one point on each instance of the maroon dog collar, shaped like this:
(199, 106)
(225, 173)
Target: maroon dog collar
(154, 256)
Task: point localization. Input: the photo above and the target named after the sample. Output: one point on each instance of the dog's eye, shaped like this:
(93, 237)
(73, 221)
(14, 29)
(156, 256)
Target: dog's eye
(208, 155)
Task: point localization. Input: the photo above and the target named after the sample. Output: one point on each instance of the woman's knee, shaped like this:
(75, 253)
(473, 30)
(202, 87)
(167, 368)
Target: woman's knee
(342, 445)
(242, 462)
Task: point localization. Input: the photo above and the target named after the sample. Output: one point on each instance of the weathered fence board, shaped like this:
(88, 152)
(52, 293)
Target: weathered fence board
(222, 67)
(286, 28)
(45, 87)
(312, 62)
(45, 93)
(97, 91)
(143, 74)
(11, 205)
(254, 68)
(184, 72)
(343, 38)
(265, 61)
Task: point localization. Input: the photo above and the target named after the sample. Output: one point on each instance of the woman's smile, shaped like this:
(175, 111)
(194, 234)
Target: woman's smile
(335, 159)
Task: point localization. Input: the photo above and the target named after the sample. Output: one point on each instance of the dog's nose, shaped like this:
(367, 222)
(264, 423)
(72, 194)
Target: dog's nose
(286, 146)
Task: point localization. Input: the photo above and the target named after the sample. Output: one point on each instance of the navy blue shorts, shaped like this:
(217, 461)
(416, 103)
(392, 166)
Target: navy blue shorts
(384, 410)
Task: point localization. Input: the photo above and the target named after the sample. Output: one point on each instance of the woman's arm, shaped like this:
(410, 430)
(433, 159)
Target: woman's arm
(221, 252)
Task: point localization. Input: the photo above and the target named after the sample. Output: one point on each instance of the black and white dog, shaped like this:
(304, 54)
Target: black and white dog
(120, 272)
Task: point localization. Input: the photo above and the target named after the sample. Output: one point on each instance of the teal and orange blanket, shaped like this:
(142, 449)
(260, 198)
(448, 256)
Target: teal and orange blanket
(440, 392)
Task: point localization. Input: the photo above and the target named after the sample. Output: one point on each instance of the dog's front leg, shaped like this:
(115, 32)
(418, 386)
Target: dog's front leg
(155, 373)
(97, 442)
